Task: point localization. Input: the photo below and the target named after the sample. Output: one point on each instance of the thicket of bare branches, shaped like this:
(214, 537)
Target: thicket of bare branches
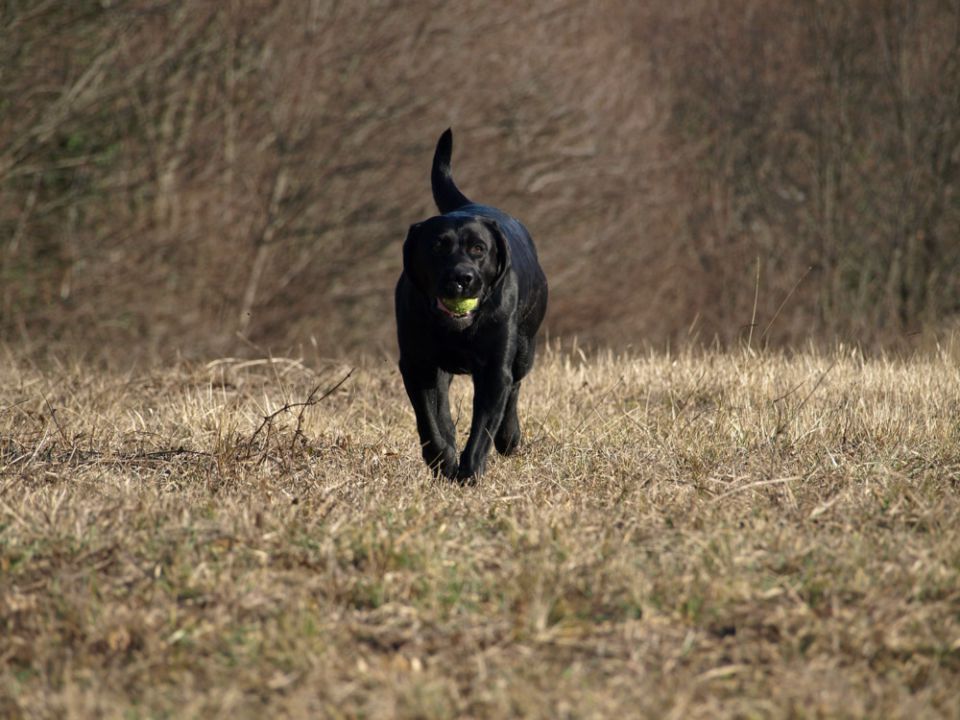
(823, 140)
(178, 176)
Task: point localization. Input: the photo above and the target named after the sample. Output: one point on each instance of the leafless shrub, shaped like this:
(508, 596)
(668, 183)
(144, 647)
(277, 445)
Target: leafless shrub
(820, 136)
(188, 177)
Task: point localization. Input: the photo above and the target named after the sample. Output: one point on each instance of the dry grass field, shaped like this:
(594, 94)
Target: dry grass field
(697, 536)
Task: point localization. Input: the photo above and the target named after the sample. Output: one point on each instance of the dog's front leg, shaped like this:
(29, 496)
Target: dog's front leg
(491, 389)
(426, 389)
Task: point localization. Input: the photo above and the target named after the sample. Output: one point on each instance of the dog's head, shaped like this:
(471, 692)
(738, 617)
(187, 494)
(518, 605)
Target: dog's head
(455, 259)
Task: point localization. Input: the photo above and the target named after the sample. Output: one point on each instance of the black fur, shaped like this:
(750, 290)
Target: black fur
(469, 251)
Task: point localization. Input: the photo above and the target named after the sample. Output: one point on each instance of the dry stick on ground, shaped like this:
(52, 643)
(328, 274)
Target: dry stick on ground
(781, 423)
(54, 419)
(309, 402)
(76, 456)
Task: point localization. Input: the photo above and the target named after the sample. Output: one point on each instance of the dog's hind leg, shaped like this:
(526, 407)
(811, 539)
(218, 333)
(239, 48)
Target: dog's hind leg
(507, 437)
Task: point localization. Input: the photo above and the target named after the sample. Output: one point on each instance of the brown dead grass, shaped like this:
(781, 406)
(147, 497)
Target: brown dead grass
(721, 535)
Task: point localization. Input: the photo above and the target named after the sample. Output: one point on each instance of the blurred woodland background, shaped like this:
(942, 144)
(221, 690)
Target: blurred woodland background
(204, 177)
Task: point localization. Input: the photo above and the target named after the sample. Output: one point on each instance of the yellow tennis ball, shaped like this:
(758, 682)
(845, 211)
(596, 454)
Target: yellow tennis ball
(460, 306)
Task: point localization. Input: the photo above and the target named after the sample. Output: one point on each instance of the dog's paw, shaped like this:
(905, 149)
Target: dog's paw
(470, 471)
(444, 463)
(446, 470)
(507, 442)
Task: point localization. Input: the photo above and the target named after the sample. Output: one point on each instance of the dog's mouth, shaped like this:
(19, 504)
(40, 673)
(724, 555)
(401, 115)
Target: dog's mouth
(458, 308)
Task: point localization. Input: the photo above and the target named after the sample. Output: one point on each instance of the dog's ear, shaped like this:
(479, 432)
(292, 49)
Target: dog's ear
(411, 267)
(503, 248)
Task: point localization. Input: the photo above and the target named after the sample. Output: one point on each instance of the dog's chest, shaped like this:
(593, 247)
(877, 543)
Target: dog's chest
(460, 353)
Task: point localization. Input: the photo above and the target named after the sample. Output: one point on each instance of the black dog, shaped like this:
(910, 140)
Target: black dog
(470, 300)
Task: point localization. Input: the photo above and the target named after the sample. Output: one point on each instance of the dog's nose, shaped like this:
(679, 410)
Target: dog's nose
(465, 278)
(463, 281)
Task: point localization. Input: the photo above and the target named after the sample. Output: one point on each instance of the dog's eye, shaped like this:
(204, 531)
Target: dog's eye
(437, 246)
(477, 249)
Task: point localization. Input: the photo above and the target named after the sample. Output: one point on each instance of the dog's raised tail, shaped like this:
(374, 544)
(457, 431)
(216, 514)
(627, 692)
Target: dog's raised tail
(446, 194)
